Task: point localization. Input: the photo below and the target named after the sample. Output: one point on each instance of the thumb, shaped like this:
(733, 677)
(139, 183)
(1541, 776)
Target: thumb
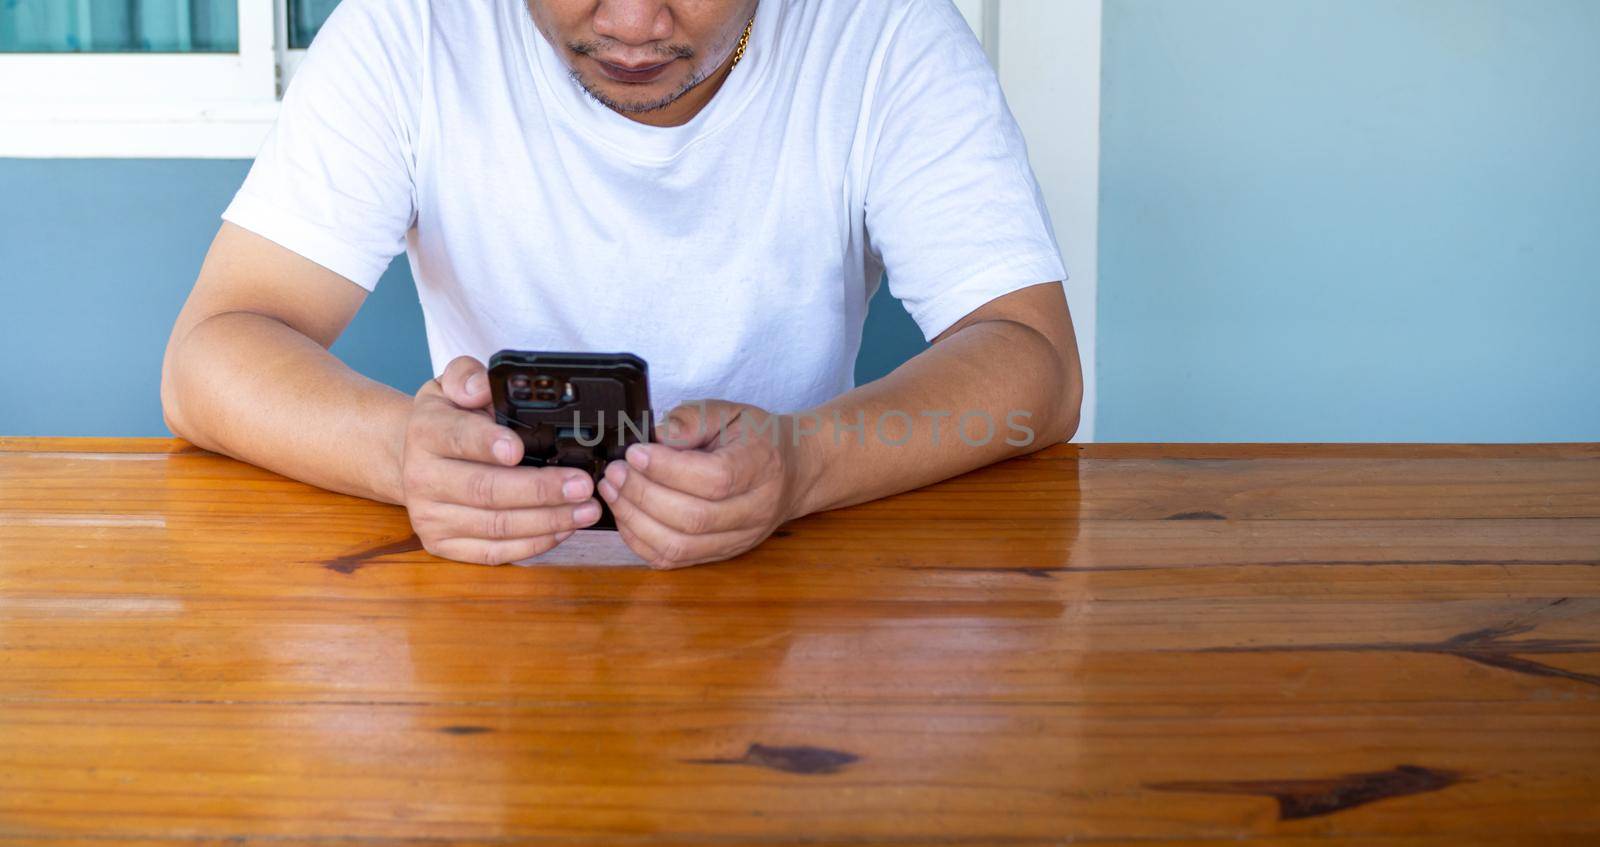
(465, 382)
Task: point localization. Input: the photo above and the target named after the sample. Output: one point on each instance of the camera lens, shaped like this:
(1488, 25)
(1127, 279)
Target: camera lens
(519, 386)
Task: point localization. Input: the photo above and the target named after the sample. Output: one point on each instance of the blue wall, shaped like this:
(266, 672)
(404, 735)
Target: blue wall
(1350, 220)
(1337, 220)
(97, 256)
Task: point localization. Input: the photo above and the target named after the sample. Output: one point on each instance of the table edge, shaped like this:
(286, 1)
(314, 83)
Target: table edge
(1104, 450)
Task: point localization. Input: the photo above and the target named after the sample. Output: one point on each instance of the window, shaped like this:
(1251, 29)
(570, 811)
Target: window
(120, 26)
(147, 78)
(305, 18)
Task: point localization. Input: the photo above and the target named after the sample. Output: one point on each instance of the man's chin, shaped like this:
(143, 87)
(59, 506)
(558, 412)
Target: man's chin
(639, 106)
(636, 99)
(632, 99)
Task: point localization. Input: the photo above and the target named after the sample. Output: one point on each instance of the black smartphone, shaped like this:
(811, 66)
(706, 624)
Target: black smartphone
(573, 410)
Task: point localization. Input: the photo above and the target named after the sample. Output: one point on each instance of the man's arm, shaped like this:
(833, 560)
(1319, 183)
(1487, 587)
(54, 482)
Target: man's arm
(729, 474)
(248, 373)
(1014, 360)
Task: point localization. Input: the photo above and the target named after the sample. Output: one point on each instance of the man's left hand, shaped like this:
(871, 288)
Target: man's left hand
(721, 478)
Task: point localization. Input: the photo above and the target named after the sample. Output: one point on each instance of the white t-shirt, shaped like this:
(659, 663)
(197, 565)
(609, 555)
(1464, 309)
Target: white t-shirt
(736, 253)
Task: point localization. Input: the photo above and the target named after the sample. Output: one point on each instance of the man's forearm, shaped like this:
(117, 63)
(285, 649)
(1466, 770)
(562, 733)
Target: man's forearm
(252, 387)
(960, 405)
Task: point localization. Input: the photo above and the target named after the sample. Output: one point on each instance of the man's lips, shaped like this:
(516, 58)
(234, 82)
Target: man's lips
(642, 74)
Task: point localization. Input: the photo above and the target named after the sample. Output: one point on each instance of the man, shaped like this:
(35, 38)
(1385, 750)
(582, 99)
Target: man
(714, 185)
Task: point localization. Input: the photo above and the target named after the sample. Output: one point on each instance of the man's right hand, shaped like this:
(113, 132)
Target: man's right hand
(468, 499)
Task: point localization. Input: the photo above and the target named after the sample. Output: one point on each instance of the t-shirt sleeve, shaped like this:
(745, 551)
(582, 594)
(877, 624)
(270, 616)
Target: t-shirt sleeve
(953, 210)
(334, 180)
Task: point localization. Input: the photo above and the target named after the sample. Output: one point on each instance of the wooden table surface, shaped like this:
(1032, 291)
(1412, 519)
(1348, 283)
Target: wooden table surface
(1114, 644)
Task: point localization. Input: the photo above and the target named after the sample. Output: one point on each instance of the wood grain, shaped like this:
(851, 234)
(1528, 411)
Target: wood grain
(1124, 644)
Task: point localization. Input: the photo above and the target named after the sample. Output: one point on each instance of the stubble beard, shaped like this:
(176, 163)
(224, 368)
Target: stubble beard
(723, 49)
(637, 107)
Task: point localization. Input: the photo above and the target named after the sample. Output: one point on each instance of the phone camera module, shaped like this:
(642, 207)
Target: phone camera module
(539, 391)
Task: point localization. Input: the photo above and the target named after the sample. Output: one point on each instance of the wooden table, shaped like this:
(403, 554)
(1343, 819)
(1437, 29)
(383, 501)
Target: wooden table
(1117, 644)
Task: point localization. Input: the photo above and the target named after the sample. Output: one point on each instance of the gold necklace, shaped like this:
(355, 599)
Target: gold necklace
(744, 41)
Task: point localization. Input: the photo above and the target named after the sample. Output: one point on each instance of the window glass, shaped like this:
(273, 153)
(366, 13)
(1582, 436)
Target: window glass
(119, 26)
(305, 18)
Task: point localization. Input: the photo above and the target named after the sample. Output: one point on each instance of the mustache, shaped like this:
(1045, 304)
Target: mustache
(595, 47)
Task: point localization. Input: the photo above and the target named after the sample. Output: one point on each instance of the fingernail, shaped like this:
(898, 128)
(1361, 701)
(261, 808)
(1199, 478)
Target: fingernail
(607, 490)
(575, 489)
(617, 473)
(477, 383)
(505, 451)
(638, 457)
(586, 514)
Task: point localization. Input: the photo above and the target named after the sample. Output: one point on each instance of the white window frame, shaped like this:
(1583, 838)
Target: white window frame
(288, 60)
(138, 105)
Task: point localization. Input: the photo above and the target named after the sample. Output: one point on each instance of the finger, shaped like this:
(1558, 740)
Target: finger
(693, 425)
(479, 552)
(465, 382)
(685, 513)
(670, 547)
(485, 486)
(720, 473)
(639, 548)
(467, 523)
(458, 434)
